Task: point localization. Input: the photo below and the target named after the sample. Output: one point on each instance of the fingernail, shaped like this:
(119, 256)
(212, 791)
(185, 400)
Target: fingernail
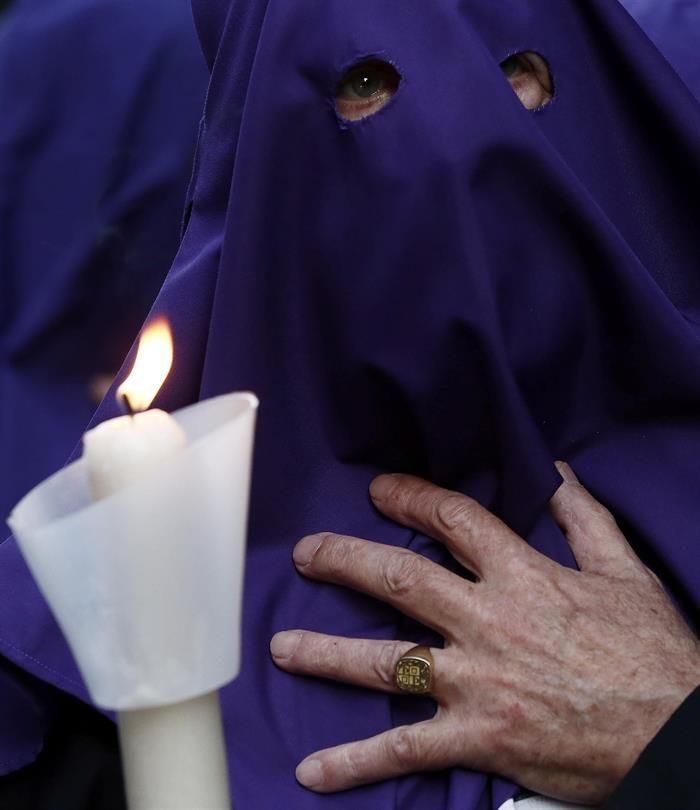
(310, 773)
(566, 473)
(382, 487)
(306, 549)
(283, 645)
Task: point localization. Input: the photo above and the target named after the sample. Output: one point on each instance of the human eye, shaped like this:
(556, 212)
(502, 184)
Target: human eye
(530, 77)
(365, 89)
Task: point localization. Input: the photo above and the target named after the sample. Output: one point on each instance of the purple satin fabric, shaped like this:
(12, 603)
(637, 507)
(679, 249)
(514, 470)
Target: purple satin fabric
(99, 109)
(457, 288)
(100, 104)
(674, 27)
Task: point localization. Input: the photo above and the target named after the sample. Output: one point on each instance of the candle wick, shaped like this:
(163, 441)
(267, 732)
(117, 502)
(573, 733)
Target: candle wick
(127, 404)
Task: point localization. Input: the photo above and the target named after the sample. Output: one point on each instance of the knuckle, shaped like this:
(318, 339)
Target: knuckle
(454, 512)
(591, 509)
(385, 664)
(350, 767)
(334, 555)
(404, 749)
(606, 517)
(402, 573)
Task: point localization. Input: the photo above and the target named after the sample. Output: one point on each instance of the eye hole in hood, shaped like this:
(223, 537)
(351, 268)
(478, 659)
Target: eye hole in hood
(531, 79)
(365, 89)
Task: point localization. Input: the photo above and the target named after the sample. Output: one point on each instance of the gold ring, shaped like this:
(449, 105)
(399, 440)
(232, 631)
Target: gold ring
(414, 671)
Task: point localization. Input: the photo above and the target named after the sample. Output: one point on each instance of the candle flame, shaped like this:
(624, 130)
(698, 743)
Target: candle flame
(154, 358)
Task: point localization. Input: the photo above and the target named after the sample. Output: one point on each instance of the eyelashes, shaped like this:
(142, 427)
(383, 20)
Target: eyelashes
(365, 89)
(370, 85)
(531, 79)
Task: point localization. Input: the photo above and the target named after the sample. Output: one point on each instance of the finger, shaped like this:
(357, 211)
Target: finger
(595, 538)
(411, 583)
(476, 538)
(424, 746)
(361, 662)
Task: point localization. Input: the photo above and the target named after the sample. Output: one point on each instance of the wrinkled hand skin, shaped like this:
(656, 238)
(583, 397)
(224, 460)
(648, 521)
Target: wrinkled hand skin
(554, 678)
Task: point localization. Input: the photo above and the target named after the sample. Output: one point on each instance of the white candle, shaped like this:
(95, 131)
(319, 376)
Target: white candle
(120, 451)
(174, 756)
(139, 549)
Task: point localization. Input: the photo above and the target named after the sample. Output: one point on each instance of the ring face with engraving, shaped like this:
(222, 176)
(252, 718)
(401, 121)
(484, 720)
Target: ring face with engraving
(414, 675)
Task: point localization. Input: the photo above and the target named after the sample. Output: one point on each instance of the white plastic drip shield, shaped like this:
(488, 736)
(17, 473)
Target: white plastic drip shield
(147, 584)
